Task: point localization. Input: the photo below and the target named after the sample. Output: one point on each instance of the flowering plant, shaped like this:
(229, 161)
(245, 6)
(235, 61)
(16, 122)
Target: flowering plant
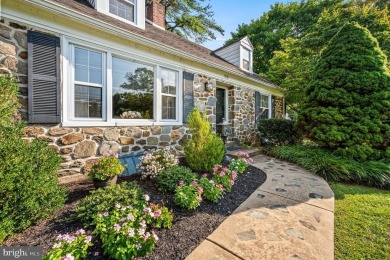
(238, 165)
(70, 247)
(211, 191)
(245, 157)
(155, 161)
(124, 234)
(106, 167)
(188, 196)
(224, 176)
(158, 217)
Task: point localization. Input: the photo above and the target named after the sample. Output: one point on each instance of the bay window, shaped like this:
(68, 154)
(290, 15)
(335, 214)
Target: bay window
(116, 90)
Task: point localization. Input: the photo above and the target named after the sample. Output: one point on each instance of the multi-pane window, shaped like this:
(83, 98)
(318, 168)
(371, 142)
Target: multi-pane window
(246, 57)
(122, 8)
(169, 81)
(262, 106)
(132, 89)
(88, 83)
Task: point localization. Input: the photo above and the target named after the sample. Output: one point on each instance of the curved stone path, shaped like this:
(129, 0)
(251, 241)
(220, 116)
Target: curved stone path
(290, 217)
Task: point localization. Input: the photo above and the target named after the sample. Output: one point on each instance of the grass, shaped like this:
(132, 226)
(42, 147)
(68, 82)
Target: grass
(335, 168)
(362, 222)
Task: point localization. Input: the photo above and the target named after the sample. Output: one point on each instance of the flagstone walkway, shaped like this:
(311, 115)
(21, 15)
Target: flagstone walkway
(288, 217)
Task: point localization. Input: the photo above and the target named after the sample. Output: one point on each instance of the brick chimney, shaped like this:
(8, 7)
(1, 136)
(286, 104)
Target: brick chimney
(155, 14)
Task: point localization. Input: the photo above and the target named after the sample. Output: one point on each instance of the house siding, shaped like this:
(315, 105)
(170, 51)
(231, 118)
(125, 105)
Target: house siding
(231, 54)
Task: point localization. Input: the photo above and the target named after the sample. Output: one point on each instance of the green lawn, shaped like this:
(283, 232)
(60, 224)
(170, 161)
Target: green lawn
(362, 222)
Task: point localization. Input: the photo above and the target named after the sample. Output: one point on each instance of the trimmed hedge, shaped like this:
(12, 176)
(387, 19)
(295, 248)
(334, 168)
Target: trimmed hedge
(335, 168)
(276, 131)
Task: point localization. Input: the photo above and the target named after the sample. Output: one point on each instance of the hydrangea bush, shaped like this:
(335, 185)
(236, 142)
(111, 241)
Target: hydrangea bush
(222, 175)
(155, 161)
(240, 164)
(70, 247)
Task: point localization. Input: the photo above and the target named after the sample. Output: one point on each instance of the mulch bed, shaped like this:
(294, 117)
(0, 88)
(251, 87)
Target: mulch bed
(189, 228)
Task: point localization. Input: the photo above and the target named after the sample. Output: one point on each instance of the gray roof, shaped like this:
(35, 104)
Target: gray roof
(162, 37)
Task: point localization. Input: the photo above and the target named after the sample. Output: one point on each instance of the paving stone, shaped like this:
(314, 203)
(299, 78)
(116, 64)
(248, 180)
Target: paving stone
(247, 235)
(292, 232)
(295, 257)
(315, 196)
(317, 216)
(307, 225)
(293, 170)
(280, 190)
(271, 236)
(281, 208)
(278, 175)
(257, 214)
(274, 180)
(260, 196)
(292, 185)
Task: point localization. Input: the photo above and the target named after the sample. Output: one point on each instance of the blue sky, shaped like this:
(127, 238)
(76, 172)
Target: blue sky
(230, 13)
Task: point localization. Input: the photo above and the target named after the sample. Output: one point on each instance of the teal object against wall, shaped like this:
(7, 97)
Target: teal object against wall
(130, 161)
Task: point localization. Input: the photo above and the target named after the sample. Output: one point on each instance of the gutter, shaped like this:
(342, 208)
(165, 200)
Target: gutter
(134, 37)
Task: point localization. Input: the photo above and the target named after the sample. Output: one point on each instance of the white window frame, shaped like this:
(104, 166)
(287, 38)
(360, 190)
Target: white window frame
(242, 58)
(120, 18)
(107, 53)
(269, 105)
(226, 102)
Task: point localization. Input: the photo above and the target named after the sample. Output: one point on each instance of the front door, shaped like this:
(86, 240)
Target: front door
(221, 107)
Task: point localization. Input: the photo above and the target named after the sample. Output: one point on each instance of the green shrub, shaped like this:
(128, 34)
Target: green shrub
(335, 168)
(169, 179)
(188, 196)
(276, 131)
(106, 167)
(158, 217)
(205, 149)
(211, 191)
(29, 189)
(8, 100)
(102, 200)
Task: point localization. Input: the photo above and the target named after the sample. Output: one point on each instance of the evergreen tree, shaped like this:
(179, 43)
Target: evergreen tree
(347, 106)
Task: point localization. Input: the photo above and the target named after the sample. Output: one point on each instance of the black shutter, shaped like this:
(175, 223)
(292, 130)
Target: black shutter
(43, 78)
(188, 95)
(92, 3)
(257, 107)
(273, 106)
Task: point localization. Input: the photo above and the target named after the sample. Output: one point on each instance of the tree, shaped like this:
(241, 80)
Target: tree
(141, 79)
(347, 105)
(190, 19)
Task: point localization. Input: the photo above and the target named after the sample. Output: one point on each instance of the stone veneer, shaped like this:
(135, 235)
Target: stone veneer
(78, 146)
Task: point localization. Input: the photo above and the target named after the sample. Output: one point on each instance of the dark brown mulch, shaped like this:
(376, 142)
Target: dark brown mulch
(189, 229)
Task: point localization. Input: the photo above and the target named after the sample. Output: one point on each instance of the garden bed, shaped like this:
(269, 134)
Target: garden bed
(189, 228)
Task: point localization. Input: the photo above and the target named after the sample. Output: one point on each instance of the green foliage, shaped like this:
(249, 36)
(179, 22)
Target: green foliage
(335, 168)
(169, 179)
(158, 217)
(75, 246)
(123, 233)
(348, 101)
(205, 149)
(188, 196)
(8, 100)
(105, 168)
(238, 165)
(190, 19)
(102, 200)
(211, 191)
(278, 131)
(224, 176)
(29, 188)
(361, 222)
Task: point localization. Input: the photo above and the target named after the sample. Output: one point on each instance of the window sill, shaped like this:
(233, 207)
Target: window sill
(121, 124)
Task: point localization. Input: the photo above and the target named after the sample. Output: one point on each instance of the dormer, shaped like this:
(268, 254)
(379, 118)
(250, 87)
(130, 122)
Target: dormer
(129, 11)
(239, 53)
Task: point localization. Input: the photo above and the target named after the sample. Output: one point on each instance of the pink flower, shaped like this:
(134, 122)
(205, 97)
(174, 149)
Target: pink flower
(231, 181)
(117, 227)
(141, 231)
(205, 174)
(155, 236)
(147, 198)
(220, 186)
(57, 245)
(200, 189)
(80, 232)
(143, 223)
(234, 174)
(105, 214)
(146, 236)
(131, 233)
(222, 174)
(96, 253)
(88, 239)
(67, 257)
(199, 198)
(147, 210)
(181, 183)
(157, 213)
(138, 246)
(130, 217)
(194, 183)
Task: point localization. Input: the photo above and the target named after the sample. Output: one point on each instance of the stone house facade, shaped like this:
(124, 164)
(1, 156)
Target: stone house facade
(85, 93)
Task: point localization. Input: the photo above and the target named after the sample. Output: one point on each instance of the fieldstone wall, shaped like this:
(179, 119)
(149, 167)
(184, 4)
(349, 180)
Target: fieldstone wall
(279, 107)
(13, 57)
(204, 96)
(78, 146)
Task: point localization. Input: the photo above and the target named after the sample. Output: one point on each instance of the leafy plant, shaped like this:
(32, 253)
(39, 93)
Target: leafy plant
(29, 188)
(188, 196)
(205, 149)
(169, 178)
(224, 176)
(70, 246)
(155, 161)
(8, 100)
(276, 131)
(123, 232)
(106, 167)
(158, 217)
(104, 200)
(211, 191)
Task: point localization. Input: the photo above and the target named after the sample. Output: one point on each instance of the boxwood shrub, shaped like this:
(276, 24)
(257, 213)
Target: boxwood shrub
(276, 132)
(29, 188)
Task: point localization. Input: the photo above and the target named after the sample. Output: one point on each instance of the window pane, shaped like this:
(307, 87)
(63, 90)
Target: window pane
(264, 101)
(245, 64)
(123, 9)
(88, 102)
(81, 73)
(81, 56)
(95, 75)
(168, 107)
(246, 54)
(133, 88)
(168, 82)
(88, 66)
(95, 59)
